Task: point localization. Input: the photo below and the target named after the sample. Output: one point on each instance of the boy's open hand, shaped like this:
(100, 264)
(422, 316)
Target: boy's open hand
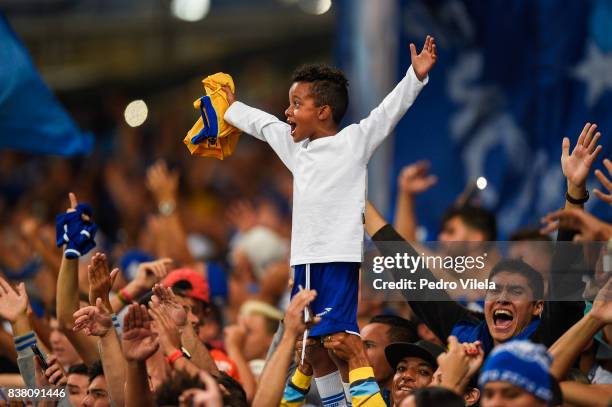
(423, 62)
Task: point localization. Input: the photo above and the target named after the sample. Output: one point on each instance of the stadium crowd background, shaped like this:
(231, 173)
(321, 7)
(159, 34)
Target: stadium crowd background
(229, 222)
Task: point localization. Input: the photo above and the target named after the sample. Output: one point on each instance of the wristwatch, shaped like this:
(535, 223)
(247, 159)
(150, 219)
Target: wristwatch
(166, 208)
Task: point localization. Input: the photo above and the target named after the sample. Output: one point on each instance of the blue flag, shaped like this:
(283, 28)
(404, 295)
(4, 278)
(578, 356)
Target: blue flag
(512, 79)
(31, 118)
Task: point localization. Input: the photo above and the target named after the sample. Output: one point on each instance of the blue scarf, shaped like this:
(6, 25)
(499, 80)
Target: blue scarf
(467, 331)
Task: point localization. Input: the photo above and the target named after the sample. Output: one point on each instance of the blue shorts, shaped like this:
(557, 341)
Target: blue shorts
(337, 286)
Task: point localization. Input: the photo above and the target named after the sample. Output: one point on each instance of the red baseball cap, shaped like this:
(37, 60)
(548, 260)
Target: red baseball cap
(199, 286)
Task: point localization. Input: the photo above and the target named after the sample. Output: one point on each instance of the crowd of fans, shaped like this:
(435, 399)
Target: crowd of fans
(184, 300)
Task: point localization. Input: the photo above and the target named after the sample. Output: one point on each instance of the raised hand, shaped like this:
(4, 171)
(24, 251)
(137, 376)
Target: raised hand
(53, 376)
(165, 299)
(234, 336)
(100, 280)
(94, 320)
(169, 335)
(605, 182)
(242, 215)
(162, 183)
(151, 272)
(415, 178)
(139, 342)
(73, 205)
(13, 303)
(209, 397)
(576, 166)
(423, 62)
(589, 227)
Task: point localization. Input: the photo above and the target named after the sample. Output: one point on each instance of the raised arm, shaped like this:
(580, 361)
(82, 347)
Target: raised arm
(235, 336)
(172, 239)
(569, 346)
(165, 300)
(270, 392)
(413, 180)
(576, 166)
(429, 305)
(263, 126)
(372, 130)
(113, 363)
(67, 302)
(139, 344)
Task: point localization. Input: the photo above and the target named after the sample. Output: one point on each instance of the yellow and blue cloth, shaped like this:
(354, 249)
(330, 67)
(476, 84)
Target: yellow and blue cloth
(211, 136)
(363, 388)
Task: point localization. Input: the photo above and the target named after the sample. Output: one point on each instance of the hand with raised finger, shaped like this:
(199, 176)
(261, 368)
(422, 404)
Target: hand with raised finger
(73, 206)
(606, 182)
(138, 340)
(13, 303)
(100, 280)
(94, 320)
(425, 60)
(576, 166)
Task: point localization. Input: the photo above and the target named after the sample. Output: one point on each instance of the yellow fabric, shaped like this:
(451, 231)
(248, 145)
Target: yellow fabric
(361, 373)
(295, 390)
(301, 380)
(364, 389)
(228, 136)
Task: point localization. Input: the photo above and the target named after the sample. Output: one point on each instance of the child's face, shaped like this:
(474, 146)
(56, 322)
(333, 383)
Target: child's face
(302, 113)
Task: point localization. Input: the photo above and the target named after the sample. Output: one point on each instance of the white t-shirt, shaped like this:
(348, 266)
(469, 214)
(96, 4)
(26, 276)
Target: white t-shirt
(329, 174)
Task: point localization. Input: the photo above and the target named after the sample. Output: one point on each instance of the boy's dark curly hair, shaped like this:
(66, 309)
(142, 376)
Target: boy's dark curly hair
(329, 87)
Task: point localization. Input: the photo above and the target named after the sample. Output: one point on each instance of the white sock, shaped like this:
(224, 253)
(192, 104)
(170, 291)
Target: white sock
(330, 390)
(347, 393)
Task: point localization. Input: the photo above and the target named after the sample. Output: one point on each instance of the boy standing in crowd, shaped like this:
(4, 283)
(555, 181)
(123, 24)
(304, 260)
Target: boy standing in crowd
(329, 168)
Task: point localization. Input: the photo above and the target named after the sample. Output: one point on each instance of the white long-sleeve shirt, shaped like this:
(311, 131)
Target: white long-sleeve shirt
(329, 173)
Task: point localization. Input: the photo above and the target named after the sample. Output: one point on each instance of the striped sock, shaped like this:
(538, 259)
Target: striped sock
(330, 390)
